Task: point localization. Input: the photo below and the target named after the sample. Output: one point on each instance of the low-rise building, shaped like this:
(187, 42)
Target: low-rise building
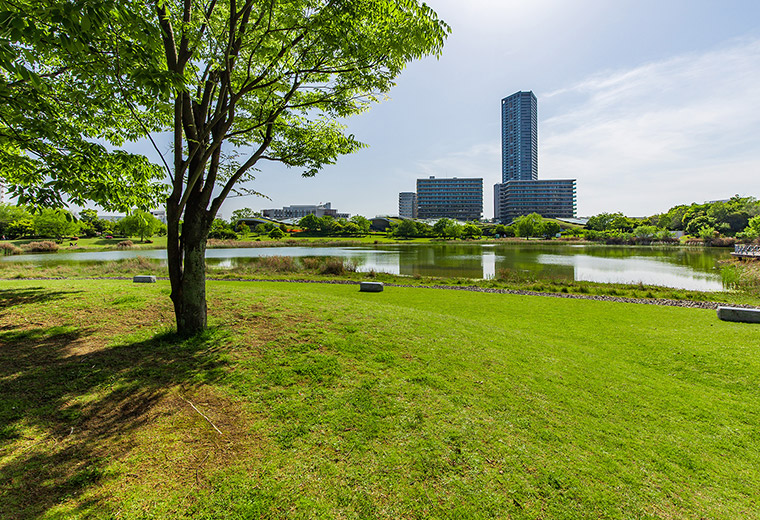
(300, 211)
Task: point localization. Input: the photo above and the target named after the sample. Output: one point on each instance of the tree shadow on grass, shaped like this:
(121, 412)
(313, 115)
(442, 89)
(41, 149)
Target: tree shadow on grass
(65, 411)
(23, 296)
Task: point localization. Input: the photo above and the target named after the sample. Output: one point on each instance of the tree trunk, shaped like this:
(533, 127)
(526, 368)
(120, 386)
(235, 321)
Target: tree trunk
(187, 271)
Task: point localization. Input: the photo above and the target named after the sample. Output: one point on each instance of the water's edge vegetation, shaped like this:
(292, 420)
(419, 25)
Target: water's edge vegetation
(741, 277)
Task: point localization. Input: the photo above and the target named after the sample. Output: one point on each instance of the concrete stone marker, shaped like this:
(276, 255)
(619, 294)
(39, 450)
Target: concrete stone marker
(144, 278)
(371, 287)
(739, 314)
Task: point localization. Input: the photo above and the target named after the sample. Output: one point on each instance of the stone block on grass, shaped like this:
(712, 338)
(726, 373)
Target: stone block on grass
(739, 314)
(371, 287)
(144, 278)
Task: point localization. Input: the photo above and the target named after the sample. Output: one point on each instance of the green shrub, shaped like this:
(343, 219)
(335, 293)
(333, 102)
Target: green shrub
(223, 234)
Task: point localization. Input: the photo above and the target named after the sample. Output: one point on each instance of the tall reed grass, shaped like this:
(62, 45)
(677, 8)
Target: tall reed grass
(741, 275)
(46, 246)
(10, 249)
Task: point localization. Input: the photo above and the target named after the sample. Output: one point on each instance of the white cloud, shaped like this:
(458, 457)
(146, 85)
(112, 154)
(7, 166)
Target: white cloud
(479, 160)
(675, 131)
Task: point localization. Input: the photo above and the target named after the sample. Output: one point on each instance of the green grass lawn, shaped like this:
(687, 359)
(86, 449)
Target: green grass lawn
(318, 401)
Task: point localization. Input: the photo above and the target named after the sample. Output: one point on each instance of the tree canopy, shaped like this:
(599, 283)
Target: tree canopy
(236, 83)
(528, 225)
(141, 224)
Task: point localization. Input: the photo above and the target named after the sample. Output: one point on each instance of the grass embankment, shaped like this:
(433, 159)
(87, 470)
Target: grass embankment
(326, 269)
(318, 401)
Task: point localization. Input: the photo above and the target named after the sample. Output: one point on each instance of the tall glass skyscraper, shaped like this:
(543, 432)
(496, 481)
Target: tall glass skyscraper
(519, 137)
(520, 192)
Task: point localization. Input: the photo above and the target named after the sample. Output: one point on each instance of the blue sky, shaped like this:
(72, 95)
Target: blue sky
(646, 103)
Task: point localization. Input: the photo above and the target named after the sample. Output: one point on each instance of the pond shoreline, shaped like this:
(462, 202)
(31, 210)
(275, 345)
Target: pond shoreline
(520, 261)
(709, 305)
(365, 242)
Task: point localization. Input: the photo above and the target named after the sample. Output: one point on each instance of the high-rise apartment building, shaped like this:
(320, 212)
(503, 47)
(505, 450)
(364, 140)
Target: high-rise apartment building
(457, 198)
(519, 137)
(520, 192)
(407, 204)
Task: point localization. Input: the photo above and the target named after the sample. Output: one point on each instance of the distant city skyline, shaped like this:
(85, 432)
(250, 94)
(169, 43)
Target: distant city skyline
(646, 112)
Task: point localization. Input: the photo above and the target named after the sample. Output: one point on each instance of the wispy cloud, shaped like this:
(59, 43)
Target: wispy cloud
(675, 131)
(478, 160)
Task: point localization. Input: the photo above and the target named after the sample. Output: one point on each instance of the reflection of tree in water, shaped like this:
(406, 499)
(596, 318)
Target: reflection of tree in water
(528, 269)
(445, 260)
(697, 258)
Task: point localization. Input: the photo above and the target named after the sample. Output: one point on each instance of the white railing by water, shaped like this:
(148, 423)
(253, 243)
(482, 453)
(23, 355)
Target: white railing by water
(746, 250)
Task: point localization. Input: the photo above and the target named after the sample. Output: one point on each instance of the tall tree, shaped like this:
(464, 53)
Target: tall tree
(235, 82)
(54, 223)
(528, 225)
(141, 224)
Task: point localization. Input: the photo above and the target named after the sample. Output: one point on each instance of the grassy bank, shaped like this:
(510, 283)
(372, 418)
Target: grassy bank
(318, 401)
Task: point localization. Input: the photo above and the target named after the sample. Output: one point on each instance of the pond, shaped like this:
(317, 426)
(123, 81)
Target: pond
(683, 268)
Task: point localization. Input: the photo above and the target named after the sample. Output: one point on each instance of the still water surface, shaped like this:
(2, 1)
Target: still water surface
(684, 268)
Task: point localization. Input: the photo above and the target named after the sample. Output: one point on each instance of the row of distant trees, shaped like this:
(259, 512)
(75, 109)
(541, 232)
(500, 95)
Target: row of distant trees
(18, 222)
(739, 217)
(532, 225)
(310, 225)
(328, 225)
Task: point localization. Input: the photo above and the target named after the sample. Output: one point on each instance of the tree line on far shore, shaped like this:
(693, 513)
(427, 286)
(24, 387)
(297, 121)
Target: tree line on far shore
(714, 223)
(737, 219)
(18, 222)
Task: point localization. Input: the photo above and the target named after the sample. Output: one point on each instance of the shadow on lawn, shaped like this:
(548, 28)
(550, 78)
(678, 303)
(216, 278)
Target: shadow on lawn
(67, 408)
(12, 297)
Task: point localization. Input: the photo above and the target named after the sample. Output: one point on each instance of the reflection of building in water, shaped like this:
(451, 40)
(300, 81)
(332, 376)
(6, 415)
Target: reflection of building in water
(525, 267)
(444, 260)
